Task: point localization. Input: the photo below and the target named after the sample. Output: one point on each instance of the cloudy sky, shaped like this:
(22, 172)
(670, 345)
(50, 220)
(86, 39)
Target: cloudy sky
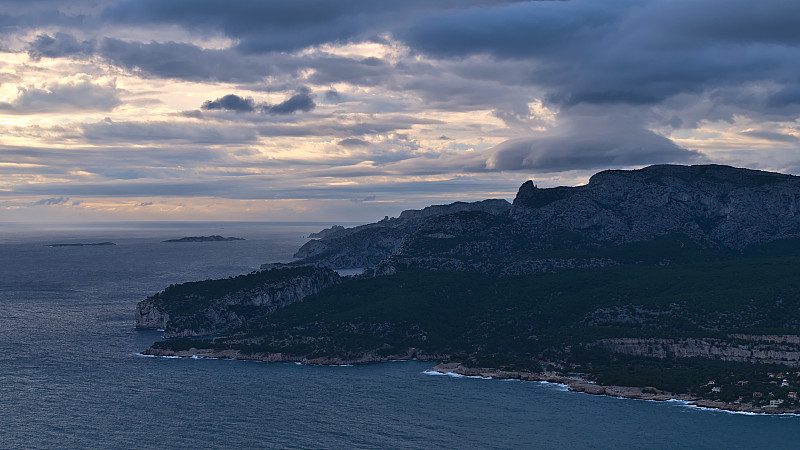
(350, 110)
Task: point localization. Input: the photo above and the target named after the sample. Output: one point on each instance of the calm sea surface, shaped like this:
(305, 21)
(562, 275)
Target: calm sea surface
(70, 376)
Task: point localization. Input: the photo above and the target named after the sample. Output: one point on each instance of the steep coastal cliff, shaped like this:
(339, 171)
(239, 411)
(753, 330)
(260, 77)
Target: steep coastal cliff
(755, 349)
(213, 306)
(663, 278)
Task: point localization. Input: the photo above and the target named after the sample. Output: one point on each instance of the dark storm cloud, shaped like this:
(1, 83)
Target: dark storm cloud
(230, 102)
(578, 52)
(281, 25)
(60, 45)
(625, 52)
(183, 61)
(32, 15)
(301, 100)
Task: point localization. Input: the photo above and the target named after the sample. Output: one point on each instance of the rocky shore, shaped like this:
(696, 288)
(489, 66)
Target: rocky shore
(573, 383)
(579, 384)
(411, 354)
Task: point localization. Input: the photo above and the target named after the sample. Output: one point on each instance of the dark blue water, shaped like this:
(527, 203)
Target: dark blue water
(70, 376)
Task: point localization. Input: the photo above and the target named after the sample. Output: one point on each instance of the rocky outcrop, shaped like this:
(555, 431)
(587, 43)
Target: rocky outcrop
(148, 315)
(714, 205)
(368, 245)
(710, 207)
(214, 306)
(754, 349)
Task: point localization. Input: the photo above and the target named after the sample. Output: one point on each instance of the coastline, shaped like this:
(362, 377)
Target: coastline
(579, 384)
(411, 354)
(572, 383)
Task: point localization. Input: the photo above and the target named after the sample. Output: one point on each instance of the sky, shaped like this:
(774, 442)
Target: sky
(349, 110)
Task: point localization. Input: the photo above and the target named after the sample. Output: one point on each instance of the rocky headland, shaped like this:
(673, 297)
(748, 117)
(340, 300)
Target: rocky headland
(208, 307)
(668, 279)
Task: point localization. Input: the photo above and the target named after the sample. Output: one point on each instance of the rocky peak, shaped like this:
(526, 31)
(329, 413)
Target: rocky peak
(531, 196)
(728, 206)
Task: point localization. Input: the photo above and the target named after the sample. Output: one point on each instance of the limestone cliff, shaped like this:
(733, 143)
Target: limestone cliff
(213, 306)
(147, 315)
(745, 348)
(368, 245)
(711, 207)
(714, 205)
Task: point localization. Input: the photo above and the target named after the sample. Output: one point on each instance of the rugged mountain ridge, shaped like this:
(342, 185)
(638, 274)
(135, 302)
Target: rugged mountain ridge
(368, 245)
(714, 207)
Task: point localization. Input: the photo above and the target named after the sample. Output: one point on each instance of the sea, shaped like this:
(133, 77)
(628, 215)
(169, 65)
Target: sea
(71, 375)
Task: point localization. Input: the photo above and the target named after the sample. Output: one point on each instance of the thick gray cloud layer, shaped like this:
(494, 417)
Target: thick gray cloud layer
(519, 86)
(623, 51)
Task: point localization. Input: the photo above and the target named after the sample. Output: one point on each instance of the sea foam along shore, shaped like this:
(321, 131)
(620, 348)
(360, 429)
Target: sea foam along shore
(411, 354)
(572, 383)
(578, 384)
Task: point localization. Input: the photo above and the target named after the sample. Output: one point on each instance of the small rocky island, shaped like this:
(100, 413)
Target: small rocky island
(80, 244)
(664, 282)
(212, 238)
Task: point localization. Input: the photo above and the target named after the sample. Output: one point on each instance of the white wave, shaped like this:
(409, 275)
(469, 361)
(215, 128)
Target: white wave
(742, 413)
(455, 375)
(142, 355)
(559, 386)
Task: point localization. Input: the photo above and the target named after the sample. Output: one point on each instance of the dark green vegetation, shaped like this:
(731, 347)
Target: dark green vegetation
(521, 321)
(195, 296)
(754, 383)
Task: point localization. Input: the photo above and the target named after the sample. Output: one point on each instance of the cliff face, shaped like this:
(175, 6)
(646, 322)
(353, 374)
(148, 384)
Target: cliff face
(213, 306)
(147, 315)
(743, 348)
(714, 205)
(368, 245)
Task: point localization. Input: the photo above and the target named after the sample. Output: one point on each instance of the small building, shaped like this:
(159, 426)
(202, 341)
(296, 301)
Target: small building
(738, 401)
(793, 395)
(716, 389)
(785, 383)
(758, 394)
(776, 402)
